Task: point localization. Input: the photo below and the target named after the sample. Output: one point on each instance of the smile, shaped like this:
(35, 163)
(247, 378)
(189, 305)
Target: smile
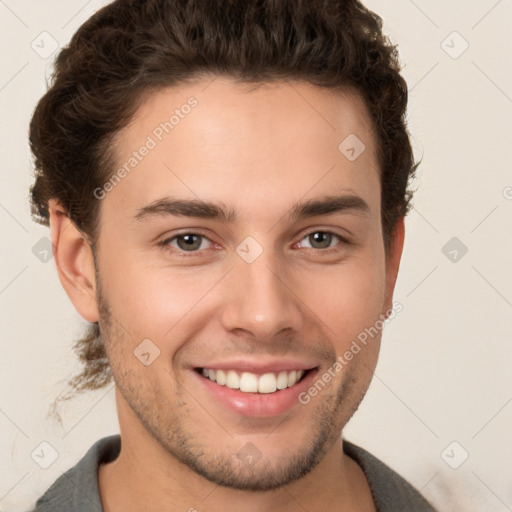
(248, 382)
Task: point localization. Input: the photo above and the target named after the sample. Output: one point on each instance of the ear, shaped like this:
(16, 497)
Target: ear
(75, 262)
(393, 260)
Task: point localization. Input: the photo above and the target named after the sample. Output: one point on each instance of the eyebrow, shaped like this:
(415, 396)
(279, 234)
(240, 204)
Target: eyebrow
(207, 210)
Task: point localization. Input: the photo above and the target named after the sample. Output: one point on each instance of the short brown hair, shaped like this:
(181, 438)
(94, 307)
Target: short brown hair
(131, 47)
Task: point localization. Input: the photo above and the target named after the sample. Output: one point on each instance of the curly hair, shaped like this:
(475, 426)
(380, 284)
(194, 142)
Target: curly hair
(130, 48)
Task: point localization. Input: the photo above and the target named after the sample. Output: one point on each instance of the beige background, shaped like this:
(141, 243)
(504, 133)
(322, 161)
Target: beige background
(445, 369)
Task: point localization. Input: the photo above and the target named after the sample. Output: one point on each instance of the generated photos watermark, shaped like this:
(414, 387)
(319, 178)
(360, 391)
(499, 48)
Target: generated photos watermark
(157, 135)
(357, 345)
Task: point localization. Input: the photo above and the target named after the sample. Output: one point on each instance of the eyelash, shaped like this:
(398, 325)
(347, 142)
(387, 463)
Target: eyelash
(165, 243)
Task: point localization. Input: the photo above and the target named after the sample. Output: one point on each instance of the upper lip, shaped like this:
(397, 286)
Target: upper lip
(259, 367)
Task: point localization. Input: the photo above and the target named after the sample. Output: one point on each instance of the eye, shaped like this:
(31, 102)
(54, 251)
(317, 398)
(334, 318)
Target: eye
(191, 242)
(322, 239)
(186, 242)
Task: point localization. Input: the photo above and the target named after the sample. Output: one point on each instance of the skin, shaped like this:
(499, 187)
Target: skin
(258, 151)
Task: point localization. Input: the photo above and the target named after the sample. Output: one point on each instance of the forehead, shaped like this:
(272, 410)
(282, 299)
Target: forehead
(274, 143)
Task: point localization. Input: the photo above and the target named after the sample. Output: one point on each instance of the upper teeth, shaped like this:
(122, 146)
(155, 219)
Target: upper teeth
(252, 383)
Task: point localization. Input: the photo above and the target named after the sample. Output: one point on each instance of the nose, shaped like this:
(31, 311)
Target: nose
(260, 300)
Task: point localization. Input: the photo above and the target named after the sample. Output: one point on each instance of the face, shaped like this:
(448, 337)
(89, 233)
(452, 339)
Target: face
(239, 256)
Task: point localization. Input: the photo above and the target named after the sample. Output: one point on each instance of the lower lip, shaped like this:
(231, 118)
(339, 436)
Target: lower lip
(257, 405)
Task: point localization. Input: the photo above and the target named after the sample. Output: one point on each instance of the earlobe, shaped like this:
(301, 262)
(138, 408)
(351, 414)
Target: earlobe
(393, 260)
(75, 263)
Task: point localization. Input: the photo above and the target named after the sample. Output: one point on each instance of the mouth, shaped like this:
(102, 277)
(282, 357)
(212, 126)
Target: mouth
(248, 382)
(257, 394)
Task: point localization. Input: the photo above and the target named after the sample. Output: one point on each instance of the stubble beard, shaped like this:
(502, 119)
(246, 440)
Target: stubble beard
(171, 428)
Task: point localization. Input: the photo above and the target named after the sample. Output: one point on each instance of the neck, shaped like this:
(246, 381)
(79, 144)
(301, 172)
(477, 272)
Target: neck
(146, 477)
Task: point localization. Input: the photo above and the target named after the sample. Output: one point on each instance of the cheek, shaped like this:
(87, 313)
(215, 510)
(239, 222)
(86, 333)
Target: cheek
(348, 298)
(156, 302)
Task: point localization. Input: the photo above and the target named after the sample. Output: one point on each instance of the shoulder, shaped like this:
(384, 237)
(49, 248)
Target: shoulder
(390, 491)
(77, 489)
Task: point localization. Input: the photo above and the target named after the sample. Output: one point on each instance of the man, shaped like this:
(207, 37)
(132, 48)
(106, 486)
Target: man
(226, 185)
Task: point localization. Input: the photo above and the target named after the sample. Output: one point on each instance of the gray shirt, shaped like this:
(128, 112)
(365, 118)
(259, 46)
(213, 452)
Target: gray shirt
(77, 489)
